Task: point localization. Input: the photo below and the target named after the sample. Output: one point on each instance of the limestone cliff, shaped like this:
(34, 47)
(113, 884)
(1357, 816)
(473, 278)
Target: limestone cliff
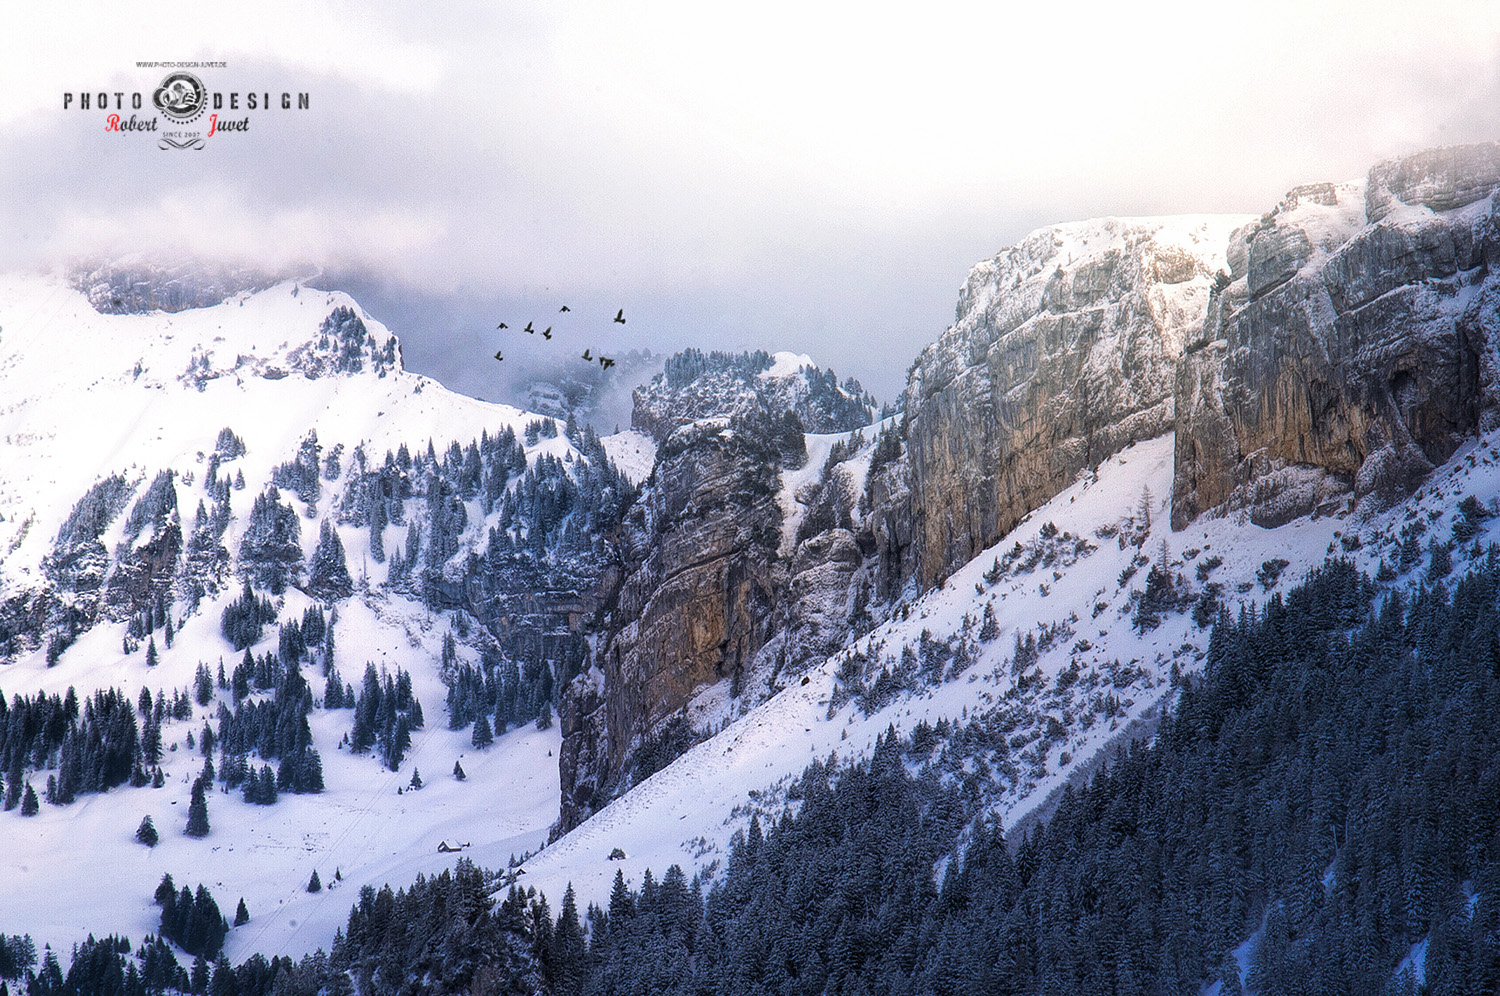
(696, 560)
(1064, 350)
(1351, 348)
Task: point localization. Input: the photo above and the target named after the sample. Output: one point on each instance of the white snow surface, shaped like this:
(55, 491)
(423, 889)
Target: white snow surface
(785, 364)
(83, 395)
(633, 452)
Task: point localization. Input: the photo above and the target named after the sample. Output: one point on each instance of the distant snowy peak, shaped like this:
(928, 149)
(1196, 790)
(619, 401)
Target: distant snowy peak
(696, 385)
(345, 342)
(90, 398)
(135, 285)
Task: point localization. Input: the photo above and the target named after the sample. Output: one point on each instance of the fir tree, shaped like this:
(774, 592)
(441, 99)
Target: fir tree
(197, 823)
(458, 771)
(241, 914)
(146, 832)
(203, 685)
(328, 574)
(483, 736)
(990, 628)
(151, 653)
(29, 804)
(314, 884)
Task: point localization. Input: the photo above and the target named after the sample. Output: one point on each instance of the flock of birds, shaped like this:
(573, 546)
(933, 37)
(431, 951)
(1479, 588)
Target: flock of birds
(604, 361)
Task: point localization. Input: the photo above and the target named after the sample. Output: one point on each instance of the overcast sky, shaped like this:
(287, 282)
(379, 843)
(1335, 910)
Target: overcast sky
(779, 175)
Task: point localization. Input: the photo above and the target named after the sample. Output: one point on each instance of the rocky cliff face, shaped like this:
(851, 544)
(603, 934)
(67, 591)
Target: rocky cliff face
(1064, 350)
(697, 556)
(1336, 348)
(1352, 347)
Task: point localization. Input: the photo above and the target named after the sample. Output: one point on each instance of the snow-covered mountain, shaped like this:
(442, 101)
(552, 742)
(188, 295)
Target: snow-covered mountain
(223, 400)
(1132, 427)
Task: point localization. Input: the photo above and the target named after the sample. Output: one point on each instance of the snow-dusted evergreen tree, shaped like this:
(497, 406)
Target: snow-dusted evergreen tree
(327, 572)
(146, 832)
(301, 474)
(271, 550)
(197, 823)
(377, 520)
(229, 446)
(153, 507)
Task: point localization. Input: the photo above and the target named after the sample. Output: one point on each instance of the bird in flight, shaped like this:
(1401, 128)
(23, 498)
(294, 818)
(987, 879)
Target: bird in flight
(586, 355)
(502, 325)
(606, 362)
(498, 356)
(620, 316)
(530, 329)
(547, 332)
(563, 308)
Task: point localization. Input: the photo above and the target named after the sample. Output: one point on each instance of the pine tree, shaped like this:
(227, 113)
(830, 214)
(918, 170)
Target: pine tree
(483, 736)
(570, 954)
(146, 832)
(203, 685)
(241, 914)
(151, 653)
(458, 771)
(378, 519)
(29, 804)
(314, 884)
(328, 573)
(416, 780)
(197, 823)
(990, 628)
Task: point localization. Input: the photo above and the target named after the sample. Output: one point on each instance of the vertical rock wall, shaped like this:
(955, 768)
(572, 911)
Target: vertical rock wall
(1064, 350)
(1352, 350)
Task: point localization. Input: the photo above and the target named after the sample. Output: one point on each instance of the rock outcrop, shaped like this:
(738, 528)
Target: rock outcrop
(697, 556)
(1352, 348)
(1063, 351)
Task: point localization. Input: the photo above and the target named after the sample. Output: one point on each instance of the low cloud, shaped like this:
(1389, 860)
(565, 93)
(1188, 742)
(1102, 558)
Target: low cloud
(776, 176)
